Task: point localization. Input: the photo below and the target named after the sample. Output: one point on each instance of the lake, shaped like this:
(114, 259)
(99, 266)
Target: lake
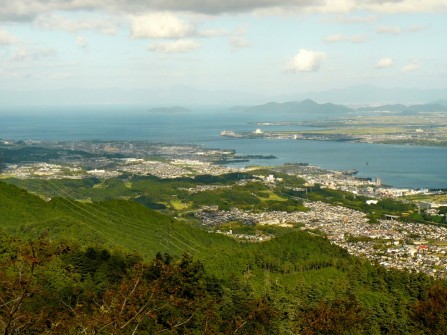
(397, 165)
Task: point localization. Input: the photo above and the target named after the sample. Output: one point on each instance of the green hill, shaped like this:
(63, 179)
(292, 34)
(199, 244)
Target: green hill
(113, 223)
(294, 283)
(306, 106)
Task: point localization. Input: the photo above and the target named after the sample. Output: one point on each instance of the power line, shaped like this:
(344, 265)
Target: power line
(118, 216)
(105, 224)
(113, 223)
(106, 220)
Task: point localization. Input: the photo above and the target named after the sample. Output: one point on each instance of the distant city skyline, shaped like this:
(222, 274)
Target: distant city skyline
(269, 47)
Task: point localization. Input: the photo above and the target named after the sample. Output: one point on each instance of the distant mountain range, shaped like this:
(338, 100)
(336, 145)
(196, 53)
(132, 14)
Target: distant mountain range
(370, 95)
(311, 107)
(306, 106)
(189, 96)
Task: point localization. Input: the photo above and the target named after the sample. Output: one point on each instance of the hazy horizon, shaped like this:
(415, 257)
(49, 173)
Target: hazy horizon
(191, 97)
(233, 52)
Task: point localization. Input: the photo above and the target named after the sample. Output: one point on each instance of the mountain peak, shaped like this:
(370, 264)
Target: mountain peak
(305, 106)
(309, 102)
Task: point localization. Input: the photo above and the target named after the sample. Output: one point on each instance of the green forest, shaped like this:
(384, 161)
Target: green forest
(118, 267)
(171, 196)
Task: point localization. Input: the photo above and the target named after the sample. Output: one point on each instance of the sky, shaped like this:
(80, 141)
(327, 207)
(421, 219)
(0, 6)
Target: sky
(266, 47)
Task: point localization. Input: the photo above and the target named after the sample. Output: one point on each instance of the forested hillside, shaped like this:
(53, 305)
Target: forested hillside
(117, 267)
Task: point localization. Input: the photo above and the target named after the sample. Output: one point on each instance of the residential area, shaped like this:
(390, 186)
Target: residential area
(389, 242)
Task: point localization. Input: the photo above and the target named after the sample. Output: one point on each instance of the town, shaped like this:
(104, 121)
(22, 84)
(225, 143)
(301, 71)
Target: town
(390, 242)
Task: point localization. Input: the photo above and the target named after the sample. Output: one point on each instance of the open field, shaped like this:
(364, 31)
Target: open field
(178, 205)
(441, 198)
(423, 129)
(272, 196)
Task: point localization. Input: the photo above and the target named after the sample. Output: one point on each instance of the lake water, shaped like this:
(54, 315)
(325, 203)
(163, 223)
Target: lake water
(397, 165)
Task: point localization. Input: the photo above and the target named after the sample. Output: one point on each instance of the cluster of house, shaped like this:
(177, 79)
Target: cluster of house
(203, 168)
(43, 171)
(172, 169)
(390, 242)
(155, 168)
(202, 188)
(427, 258)
(246, 237)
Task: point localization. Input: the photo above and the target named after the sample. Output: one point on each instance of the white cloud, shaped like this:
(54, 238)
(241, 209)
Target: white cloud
(183, 45)
(394, 30)
(24, 54)
(213, 33)
(413, 29)
(239, 42)
(238, 39)
(357, 19)
(411, 67)
(384, 63)
(16, 10)
(306, 61)
(21, 55)
(58, 22)
(404, 6)
(160, 25)
(390, 30)
(81, 42)
(7, 38)
(343, 38)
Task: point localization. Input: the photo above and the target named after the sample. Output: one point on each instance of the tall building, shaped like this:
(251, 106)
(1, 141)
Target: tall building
(378, 181)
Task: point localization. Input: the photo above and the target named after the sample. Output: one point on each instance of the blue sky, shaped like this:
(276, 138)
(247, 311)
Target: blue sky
(266, 47)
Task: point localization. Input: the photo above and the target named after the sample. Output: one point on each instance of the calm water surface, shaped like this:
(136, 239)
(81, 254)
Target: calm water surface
(397, 165)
